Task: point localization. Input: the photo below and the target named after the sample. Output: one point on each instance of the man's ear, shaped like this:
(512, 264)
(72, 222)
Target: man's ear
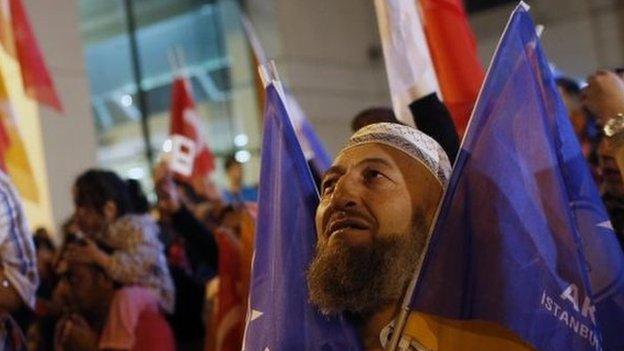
(110, 211)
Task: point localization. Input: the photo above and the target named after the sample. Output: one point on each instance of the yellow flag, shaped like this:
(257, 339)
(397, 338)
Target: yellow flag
(15, 156)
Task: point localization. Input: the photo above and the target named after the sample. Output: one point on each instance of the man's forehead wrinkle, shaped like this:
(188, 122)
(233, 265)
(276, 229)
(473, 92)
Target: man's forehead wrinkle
(370, 153)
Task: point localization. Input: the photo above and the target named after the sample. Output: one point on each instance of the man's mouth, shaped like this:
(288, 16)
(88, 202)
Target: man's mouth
(346, 224)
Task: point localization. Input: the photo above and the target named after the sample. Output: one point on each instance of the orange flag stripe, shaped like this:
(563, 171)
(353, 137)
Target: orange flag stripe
(454, 54)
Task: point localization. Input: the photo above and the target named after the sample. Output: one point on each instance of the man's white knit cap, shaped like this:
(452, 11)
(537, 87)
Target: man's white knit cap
(408, 140)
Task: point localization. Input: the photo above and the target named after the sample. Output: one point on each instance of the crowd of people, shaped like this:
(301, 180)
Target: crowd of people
(130, 275)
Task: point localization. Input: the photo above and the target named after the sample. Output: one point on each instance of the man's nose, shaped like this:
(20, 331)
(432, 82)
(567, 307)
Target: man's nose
(345, 194)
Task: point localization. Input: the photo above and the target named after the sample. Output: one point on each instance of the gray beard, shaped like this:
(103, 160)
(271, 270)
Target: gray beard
(362, 280)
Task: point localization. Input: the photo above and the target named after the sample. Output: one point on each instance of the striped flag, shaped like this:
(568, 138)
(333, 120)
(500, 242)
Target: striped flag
(426, 51)
(453, 51)
(192, 159)
(408, 63)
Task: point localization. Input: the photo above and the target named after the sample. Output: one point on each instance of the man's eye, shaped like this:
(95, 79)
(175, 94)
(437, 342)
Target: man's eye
(373, 174)
(328, 186)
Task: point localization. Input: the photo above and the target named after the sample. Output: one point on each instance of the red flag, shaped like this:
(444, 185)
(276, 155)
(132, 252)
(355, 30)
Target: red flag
(37, 80)
(192, 158)
(230, 308)
(454, 53)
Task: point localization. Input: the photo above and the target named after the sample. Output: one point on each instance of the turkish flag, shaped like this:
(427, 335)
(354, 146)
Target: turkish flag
(37, 80)
(453, 51)
(191, 156)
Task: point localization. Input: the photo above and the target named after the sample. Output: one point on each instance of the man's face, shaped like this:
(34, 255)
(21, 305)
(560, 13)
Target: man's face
(376, 204)
(363, 196)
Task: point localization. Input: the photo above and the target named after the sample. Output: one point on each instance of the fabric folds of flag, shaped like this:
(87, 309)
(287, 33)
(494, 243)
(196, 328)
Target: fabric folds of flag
(279, 316)
(311, 144)
(186, 127)
(453, 51)
(38, 83)
(522, 238)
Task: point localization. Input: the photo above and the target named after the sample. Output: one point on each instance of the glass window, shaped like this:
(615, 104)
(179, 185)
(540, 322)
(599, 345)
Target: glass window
(208, 41)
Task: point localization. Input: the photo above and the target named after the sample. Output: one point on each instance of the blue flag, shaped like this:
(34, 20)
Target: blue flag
(522, 238)
(311, 144)
(321, 160)
(280, 316)
(316, 152)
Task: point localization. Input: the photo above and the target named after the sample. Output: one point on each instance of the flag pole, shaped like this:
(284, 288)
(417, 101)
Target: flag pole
(173, 64)
(264, 76)
(181, 60)
(253, 39)
(138, 79)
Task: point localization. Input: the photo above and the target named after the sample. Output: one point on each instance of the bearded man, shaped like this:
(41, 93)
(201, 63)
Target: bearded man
(378, 201)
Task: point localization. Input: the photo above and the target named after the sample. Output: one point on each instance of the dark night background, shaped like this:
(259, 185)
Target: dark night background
(478, 5)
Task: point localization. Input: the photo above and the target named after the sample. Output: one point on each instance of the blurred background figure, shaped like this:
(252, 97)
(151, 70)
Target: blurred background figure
(584, 123)
(237, 192)
(18, 277)
(106, 214)
(46, 256)
(108, 315)
(604, 97)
